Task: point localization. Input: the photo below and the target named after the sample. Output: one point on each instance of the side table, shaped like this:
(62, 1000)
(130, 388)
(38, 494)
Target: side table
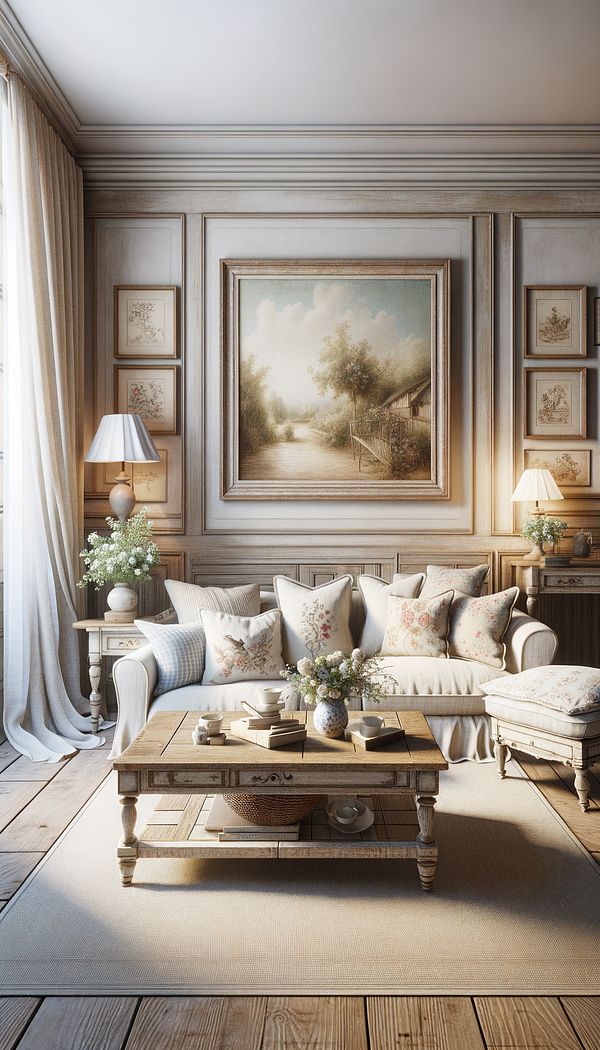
(111, 639)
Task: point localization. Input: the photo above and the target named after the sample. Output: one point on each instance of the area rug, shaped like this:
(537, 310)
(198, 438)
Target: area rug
(515, 909)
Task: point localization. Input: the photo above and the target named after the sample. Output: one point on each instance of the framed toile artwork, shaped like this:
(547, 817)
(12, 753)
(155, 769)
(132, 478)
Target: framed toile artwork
(555, 402)
(554, 321)
(570, 468)
(145, 321)
(149, 391)
(334, 379)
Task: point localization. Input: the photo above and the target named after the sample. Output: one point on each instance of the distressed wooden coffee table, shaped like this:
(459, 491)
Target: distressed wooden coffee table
(399, 781)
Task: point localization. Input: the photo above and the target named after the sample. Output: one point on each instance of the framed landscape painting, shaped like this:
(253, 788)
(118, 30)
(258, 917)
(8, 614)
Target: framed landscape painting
(334, 379)
(554, 321)
(145, 321)
(555, 403)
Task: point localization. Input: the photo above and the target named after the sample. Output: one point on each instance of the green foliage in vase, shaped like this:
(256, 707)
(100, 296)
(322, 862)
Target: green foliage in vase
(125, 556)
(542, 530)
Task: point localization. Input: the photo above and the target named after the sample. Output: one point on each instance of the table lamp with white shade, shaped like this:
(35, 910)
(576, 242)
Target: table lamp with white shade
(535, 484)
(122, 438)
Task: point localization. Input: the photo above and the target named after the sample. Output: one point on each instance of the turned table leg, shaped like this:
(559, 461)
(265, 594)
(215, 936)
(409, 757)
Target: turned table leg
(582, 787)
(127, 846)
(500, 751)
(95, 672)
(426, 866)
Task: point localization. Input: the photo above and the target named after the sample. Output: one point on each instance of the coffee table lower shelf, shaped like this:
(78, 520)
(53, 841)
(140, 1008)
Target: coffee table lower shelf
(176, 828)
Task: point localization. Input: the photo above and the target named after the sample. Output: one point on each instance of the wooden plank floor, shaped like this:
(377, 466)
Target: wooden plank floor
(38, 801)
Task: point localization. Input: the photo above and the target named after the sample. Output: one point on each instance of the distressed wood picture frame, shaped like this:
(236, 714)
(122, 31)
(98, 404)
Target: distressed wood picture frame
(335, 379)
(554, 403)
(145, 321)
(570, 468)
(555, 321)
(149, 391)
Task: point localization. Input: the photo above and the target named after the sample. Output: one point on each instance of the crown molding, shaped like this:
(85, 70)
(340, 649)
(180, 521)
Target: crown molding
(26, 60)
(333, 171)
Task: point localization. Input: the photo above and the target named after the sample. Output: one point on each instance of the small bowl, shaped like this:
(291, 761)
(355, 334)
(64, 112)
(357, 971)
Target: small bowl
(211, 722)
(370, 725)
(347, 814)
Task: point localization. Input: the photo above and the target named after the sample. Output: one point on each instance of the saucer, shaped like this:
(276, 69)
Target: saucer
(362, 822)
(356, 727)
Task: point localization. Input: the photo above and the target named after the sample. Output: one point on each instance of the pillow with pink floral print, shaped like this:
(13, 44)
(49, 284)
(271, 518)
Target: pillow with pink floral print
(478, 625)
(315, 619)
(417, 626)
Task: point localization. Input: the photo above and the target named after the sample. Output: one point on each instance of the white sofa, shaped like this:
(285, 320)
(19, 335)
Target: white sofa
(446, 690)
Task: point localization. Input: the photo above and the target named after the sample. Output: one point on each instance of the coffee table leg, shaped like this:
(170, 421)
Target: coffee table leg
(426, 867)
(127, 853)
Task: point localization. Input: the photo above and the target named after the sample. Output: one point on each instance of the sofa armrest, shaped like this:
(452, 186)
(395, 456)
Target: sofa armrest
(529, 643)
(135, 677)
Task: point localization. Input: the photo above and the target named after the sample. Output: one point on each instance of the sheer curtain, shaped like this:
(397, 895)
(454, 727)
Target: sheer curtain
(43, 197)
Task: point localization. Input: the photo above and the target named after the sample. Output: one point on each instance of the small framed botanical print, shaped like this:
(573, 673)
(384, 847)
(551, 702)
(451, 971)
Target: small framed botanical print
(555, 402)
(554, 321)
(570, 467)
(145, 321)
(151, 392)
(149, 480)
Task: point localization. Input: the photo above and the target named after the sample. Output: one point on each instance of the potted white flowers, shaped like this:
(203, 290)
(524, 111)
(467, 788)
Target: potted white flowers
(124, 557)
(540, 530)
(328, 682)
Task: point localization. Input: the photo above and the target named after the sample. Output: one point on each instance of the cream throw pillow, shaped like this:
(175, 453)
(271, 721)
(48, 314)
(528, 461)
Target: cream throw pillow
(440, 578)
(417, 626)
(315, 619)
(478, 625)
(241, 648)
(573, 690)
(375, 593)
(188, 599)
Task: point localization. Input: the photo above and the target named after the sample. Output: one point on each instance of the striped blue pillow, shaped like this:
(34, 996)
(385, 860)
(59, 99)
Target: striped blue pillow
(179, 652)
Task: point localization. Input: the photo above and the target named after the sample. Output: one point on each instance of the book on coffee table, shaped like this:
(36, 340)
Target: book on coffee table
(289, 732)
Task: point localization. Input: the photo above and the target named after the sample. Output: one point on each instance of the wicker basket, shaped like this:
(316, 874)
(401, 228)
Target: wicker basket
(273, 809)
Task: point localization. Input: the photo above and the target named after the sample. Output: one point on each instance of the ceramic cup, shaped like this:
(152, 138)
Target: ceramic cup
(267, 699)
(370, 725)
(199, 736)
(210, 721)
(347, 813)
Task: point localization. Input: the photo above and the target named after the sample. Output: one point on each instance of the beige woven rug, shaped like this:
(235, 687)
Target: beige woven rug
(515, 909)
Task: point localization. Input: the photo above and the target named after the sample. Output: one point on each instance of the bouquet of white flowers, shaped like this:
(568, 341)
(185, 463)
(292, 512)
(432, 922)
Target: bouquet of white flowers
(126, 556)
(540, 529)
(327, 679)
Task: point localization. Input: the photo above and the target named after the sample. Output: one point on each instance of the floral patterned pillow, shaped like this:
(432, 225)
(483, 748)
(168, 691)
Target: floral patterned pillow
(573, 690)
(315, 619)
(417, 626)
(440, 578)
(241, 648)
(478, 625)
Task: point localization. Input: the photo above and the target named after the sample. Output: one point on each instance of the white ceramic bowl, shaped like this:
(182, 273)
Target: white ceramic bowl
(211, 722)
(347, 814)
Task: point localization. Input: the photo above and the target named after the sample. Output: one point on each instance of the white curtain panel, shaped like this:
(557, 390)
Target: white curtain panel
(43, 197)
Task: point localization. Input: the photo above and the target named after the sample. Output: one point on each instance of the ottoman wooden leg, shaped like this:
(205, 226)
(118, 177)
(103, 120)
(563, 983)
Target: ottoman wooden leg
(500, 753)
(582, 787)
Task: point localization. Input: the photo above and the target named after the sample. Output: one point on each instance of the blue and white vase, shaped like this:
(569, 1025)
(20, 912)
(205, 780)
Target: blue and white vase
(330, 718)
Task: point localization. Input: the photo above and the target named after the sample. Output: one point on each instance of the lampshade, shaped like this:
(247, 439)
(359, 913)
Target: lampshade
(122, 438)
(535, 484)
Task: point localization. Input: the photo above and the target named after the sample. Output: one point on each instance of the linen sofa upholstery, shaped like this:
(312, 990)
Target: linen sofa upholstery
(446, 690)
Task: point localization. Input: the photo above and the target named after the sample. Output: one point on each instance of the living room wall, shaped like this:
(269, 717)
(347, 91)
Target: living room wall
(497, 240)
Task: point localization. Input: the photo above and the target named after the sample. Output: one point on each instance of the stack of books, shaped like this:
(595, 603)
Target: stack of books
(269, 730)
(260, 833)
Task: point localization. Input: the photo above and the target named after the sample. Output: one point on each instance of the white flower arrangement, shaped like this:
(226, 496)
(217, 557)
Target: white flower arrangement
(539, 529)
(328, 678)
(125, 556)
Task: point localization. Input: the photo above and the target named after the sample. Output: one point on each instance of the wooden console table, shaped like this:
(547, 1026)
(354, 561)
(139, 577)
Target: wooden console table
(111, 639)
(536, 579)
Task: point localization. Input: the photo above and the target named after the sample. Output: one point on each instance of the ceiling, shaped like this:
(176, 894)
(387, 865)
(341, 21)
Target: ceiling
(317, 62)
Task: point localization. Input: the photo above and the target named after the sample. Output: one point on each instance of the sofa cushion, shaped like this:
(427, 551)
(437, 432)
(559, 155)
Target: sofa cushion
(188, 599)
(454, 686)
(375, 593)
(478, 626)
(440, 578)
(525, 714)
(220, 697)
(417, 626)
(241, 648)
(315, 619)
(178, 650)
(570, 689)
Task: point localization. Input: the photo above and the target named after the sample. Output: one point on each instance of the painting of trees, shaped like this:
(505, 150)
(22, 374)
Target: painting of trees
(347, 369)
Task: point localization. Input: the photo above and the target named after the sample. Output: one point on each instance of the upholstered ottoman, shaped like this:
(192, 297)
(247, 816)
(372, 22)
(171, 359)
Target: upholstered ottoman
(553, 713)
